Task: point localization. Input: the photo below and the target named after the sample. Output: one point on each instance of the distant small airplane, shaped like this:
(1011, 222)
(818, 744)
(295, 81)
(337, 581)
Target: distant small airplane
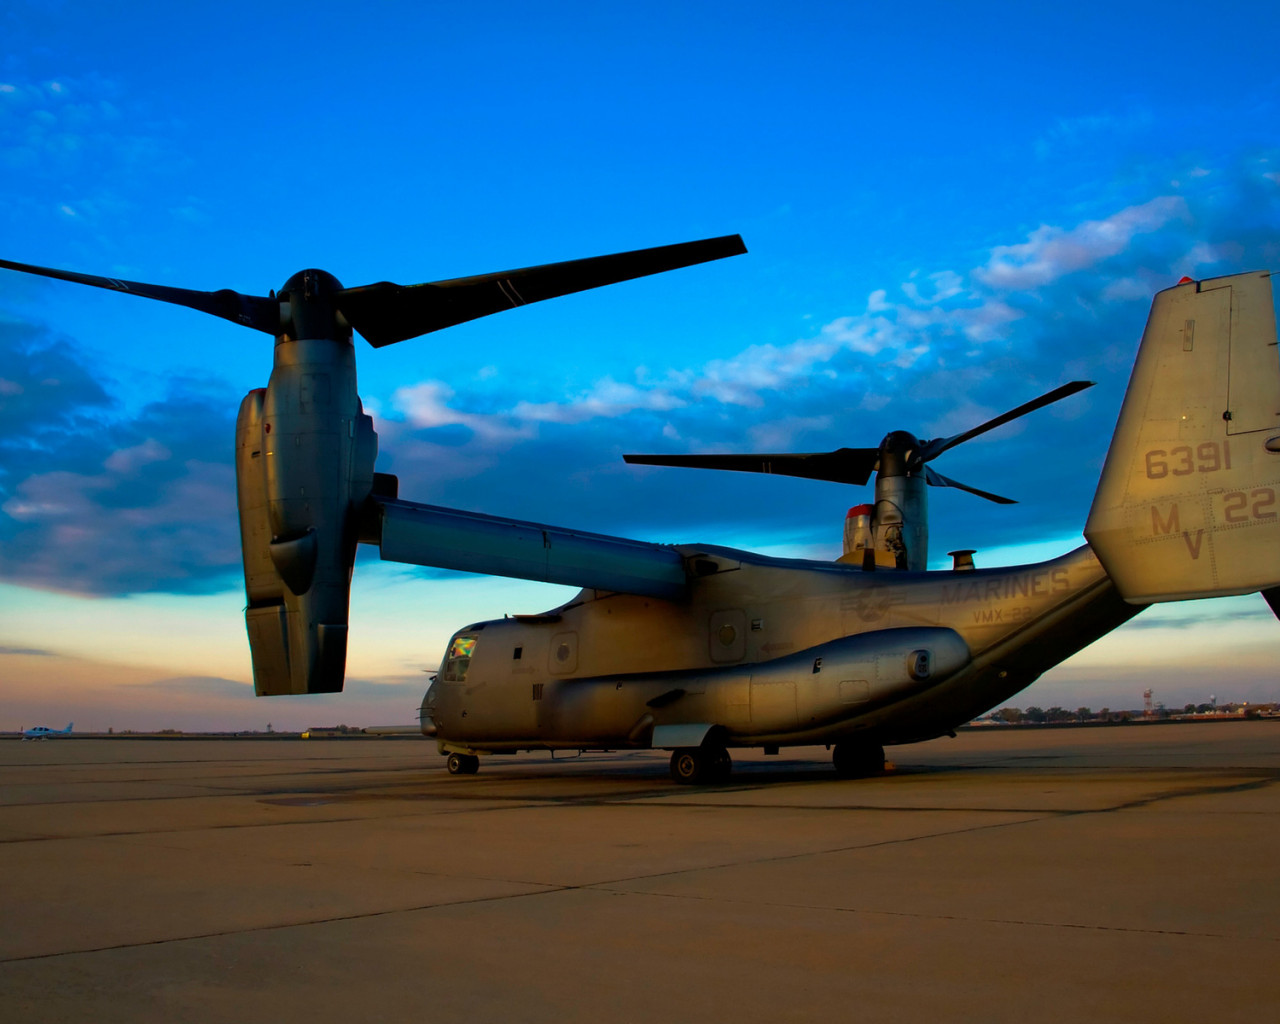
(43, 732)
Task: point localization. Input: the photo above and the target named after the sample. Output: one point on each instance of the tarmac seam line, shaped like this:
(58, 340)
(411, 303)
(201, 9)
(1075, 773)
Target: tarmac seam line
(635, 801)
(336, 919)
(778, 858)
(545, 889)
(944, 917)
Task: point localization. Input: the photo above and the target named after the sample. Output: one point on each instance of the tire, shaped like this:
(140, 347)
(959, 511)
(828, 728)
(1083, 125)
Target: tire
(689, 766)
(463, 764)
(858, 760)
(721, 764)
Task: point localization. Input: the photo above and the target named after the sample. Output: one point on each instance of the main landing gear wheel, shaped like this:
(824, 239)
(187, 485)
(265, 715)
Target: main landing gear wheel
(858, 760)
(694, 766)
(463, 764)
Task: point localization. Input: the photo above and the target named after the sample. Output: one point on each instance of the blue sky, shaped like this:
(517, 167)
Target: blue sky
(948, 210)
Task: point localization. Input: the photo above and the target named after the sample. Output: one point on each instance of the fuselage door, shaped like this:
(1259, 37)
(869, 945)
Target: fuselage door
(773, 704)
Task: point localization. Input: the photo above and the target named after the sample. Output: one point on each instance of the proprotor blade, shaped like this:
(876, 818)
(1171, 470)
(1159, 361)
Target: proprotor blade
(939, 445)
(842, 466)
(254, 311)
(386, 313)
(932, 476)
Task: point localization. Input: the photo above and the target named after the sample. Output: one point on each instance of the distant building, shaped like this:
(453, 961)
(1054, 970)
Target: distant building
(322, 731)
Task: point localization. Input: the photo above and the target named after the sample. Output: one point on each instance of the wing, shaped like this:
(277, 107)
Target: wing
(449, 538)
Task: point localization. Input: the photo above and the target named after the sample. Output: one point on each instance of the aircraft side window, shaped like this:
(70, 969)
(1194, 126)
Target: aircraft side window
(459, 659)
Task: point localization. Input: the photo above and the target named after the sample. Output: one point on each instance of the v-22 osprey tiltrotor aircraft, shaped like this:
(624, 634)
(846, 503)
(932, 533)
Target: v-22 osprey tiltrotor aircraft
(700, 649)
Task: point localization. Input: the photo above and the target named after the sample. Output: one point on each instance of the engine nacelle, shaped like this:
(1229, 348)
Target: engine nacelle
(305, 452)
(847, 677)
(894, 532)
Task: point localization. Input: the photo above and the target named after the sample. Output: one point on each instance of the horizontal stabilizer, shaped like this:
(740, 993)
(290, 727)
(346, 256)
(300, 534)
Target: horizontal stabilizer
(452, 539)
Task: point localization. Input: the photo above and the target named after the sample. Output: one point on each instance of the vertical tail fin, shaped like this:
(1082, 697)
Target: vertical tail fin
(1187, 504)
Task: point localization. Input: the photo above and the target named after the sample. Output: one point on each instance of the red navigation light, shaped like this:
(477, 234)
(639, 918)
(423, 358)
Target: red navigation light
(1187, 280)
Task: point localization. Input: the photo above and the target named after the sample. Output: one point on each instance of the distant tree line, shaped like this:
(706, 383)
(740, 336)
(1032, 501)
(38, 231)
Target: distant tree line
(1039, 716)
(1056, 715)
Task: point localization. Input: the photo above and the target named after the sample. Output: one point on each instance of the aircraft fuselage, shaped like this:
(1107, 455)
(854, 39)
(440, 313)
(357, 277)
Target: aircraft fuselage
(768, 652)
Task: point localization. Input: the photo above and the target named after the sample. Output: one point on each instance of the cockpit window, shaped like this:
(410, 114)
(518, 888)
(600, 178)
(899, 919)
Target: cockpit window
(458, 660)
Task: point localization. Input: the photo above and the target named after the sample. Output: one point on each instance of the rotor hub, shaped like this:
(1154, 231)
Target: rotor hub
(900, 454)
(308, 307)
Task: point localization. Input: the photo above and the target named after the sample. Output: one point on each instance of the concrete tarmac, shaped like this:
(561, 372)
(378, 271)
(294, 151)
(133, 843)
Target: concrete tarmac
(1108, 874)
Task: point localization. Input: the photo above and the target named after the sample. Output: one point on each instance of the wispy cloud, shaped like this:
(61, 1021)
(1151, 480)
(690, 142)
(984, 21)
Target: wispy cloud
(607, 399)
(1069, 133)
(63, 124)
(426, 406)
(1052, 252)
(73, 148)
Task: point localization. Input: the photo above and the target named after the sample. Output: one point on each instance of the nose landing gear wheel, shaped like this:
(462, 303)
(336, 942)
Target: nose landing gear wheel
(858, 760)
(463, 764)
